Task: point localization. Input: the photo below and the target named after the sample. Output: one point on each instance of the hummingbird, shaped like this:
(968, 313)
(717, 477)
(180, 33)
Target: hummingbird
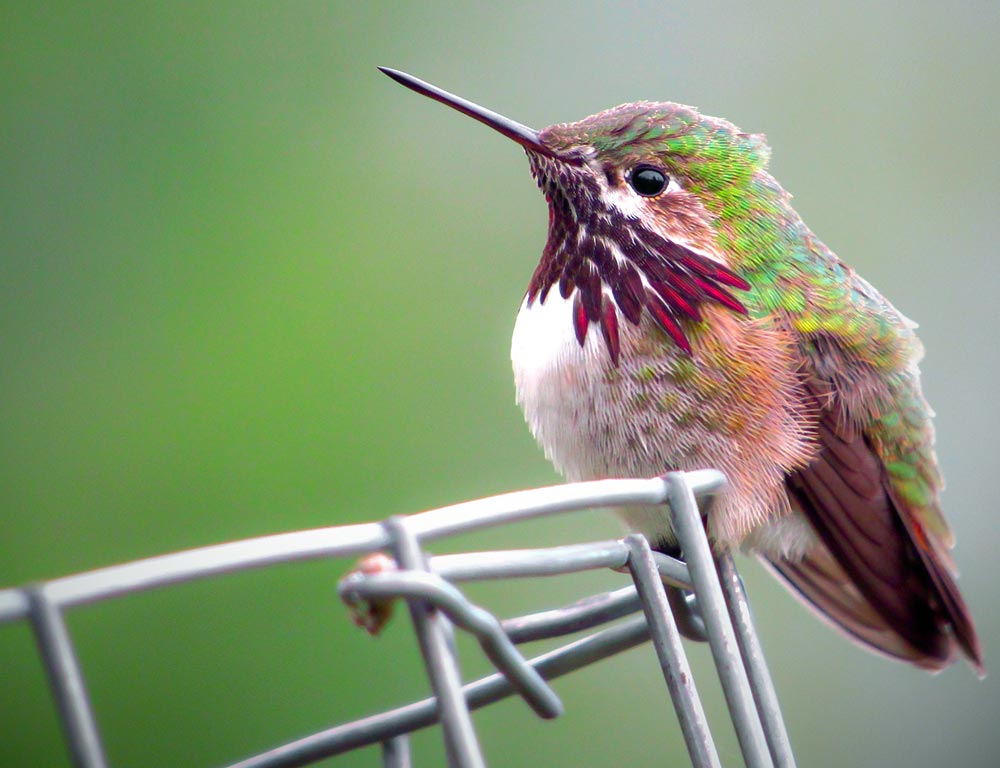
(682, 316)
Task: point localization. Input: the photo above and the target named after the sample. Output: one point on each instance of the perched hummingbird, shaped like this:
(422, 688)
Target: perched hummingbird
(683, 316)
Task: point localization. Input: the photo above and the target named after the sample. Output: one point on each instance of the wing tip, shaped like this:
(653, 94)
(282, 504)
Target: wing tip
(820, 583)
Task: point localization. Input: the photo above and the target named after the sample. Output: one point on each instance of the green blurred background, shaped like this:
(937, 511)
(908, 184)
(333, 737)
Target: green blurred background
(250, 285)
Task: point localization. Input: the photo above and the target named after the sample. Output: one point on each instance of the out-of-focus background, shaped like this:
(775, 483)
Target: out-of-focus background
(251, 285)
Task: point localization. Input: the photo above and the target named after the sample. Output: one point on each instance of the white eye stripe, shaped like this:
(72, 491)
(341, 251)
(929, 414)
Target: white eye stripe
(630, 203)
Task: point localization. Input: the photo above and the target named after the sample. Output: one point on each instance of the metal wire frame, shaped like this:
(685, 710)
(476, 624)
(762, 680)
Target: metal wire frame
(718, 612)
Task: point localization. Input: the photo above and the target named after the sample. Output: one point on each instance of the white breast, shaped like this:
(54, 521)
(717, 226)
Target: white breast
(563, 389)
(556, 380)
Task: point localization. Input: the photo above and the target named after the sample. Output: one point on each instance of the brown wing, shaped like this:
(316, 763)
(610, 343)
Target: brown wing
(873, 552)
(829, 591)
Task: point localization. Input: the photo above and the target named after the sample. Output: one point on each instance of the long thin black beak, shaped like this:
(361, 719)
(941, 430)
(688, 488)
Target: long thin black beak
(522, 134)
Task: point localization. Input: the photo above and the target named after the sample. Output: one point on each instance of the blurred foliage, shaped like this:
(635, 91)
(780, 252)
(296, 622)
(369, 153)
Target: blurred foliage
(250, 285)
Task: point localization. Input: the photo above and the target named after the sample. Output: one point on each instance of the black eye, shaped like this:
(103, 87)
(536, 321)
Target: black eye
(648, 181)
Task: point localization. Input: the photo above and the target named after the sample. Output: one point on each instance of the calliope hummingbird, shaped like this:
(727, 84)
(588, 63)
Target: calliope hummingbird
(683, 316)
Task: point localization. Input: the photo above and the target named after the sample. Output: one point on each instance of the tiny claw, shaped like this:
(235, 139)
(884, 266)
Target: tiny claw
(370, 615)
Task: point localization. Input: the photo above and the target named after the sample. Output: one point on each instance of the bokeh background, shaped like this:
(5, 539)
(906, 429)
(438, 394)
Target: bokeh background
(250, 285)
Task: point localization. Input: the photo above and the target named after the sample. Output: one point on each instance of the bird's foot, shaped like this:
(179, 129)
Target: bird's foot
(370, 614)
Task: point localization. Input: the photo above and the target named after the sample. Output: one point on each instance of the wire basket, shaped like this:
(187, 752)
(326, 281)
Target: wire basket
(701, 598)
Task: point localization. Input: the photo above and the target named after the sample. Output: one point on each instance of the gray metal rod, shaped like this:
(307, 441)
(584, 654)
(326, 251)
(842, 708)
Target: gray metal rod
(684, 606)
(761, 683)
(670, 652)
(14, 604)
(66, 679)
(523, 505)
(421, 714)
(583, 614)
(484, 625)
(217, 559)
(721, 637)
(442, 666)
(518, 563)
(672, 571)
(343, 541)
(396, 752)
